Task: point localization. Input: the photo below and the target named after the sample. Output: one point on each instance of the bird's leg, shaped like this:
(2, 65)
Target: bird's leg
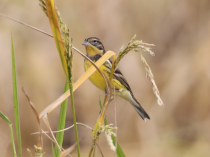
(105, 91)
(112, 98)
(113, 91)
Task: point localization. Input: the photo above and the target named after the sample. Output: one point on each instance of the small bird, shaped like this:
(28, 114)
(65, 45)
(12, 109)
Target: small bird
(95, 51)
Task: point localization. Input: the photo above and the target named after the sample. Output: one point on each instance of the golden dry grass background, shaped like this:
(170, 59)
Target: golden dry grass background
(179, 29)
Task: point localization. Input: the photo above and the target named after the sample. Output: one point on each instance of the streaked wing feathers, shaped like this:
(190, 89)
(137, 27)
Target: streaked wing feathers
(118, 75)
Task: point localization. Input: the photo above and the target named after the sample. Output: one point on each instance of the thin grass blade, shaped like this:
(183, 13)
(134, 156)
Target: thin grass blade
(61, 123)
(40, 141)
(45, 119)
(16, 106)
(6, 119)
(53, 150)
(46, 132)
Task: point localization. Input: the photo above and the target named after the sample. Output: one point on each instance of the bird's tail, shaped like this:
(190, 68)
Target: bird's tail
(141, 112)
(137, 106)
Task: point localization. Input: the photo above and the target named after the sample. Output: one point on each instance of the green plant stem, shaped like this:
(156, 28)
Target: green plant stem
(75, 121)
(12, 141)
(6, 119)
(53, 150)
(61, 123)
(16, 106)
(71, 83)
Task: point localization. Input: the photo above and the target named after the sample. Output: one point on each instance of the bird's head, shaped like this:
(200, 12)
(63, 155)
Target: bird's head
(93, 46)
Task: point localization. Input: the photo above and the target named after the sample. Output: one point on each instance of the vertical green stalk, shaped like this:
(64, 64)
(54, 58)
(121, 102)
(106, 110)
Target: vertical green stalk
(53, 150)
(71, 83)
(74, 119)
(61, 123)
(12, 141)
(11, 133)
(16, 106)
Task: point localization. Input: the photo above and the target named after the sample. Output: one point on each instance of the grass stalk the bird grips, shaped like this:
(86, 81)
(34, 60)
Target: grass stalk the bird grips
(6, 119)
(61, 123)
(16, 106)
(119, 151)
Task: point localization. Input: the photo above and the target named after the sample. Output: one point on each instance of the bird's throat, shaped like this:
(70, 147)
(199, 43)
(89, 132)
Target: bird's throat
(92, 50)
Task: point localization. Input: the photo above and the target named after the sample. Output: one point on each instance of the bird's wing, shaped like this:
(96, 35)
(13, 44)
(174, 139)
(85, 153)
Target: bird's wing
(118, 75)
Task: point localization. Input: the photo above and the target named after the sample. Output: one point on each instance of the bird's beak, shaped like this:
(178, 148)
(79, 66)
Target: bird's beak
(86, 43)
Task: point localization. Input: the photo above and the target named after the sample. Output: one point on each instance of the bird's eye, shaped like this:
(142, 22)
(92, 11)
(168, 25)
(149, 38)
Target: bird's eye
(94, 40)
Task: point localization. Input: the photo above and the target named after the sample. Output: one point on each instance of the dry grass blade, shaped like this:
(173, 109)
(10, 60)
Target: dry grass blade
(34, 28)
(69, 150)
(51, 139)
(84, 77)
(48, 125)
(64, 129)
(40, 141)
(99, 149)
(44, 132)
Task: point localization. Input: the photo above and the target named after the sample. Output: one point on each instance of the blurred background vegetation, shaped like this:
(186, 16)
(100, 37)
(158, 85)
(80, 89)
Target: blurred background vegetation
(179, 29)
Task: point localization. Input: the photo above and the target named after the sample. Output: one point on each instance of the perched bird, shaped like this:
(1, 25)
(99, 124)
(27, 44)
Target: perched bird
(95, 51)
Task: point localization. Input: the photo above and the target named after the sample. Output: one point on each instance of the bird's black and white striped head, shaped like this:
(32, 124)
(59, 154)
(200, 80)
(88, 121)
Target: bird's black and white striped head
(94, 43)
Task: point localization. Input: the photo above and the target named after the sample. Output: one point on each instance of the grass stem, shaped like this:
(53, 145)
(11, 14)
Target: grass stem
(61, 123)
(16, 106)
